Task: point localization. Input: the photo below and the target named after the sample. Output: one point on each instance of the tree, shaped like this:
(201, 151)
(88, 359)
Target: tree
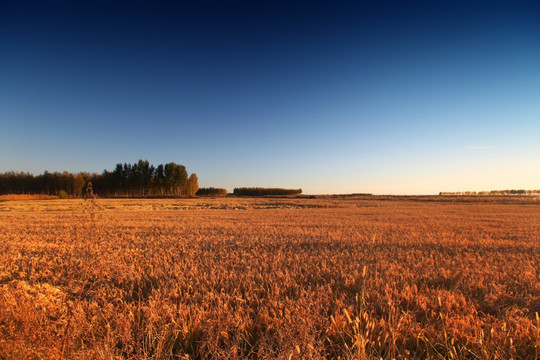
(78, 185)
(175, 178)
(160, 179)
(145, 174)
(192, 184)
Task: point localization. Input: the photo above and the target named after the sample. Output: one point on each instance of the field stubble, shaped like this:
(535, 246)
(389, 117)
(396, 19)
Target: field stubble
(269, 278)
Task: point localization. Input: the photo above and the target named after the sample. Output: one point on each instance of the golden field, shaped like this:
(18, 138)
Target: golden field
(237, 278)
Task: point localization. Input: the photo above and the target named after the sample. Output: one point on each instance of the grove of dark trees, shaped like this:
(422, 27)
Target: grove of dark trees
(12, 182)
(211, 191)
(137, 179)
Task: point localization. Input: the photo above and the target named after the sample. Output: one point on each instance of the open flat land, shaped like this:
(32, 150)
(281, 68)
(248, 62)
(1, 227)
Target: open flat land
(236, 278)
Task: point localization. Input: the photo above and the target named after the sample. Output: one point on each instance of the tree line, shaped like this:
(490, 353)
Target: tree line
(13, 182)
(258, 191)
(140, 179)
(137, 179)
(492, 192)
(211, 191)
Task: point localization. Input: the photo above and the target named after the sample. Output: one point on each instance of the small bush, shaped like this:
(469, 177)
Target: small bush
(62, 194)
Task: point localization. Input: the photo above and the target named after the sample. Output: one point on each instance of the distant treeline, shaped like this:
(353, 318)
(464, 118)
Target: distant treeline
(46, 184)
(257, 191)
(211, 192)
(138, 179)
(492, 193)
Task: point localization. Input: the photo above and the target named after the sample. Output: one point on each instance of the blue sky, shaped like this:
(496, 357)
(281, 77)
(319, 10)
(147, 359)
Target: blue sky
(333, 97)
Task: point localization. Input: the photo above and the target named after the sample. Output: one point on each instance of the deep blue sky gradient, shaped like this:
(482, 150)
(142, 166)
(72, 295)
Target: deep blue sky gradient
(334, 97)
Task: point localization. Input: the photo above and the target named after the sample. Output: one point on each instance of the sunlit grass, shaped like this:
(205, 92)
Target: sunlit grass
(269, 278)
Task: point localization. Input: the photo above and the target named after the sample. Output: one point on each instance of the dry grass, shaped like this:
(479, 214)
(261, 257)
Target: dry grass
(12, 197)
(269, 278)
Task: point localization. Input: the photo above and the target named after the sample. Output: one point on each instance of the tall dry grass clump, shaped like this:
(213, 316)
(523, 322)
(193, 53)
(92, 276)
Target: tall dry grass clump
(269, 278)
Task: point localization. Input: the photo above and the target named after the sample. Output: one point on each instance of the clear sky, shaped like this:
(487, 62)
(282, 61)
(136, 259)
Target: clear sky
(388, 97)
